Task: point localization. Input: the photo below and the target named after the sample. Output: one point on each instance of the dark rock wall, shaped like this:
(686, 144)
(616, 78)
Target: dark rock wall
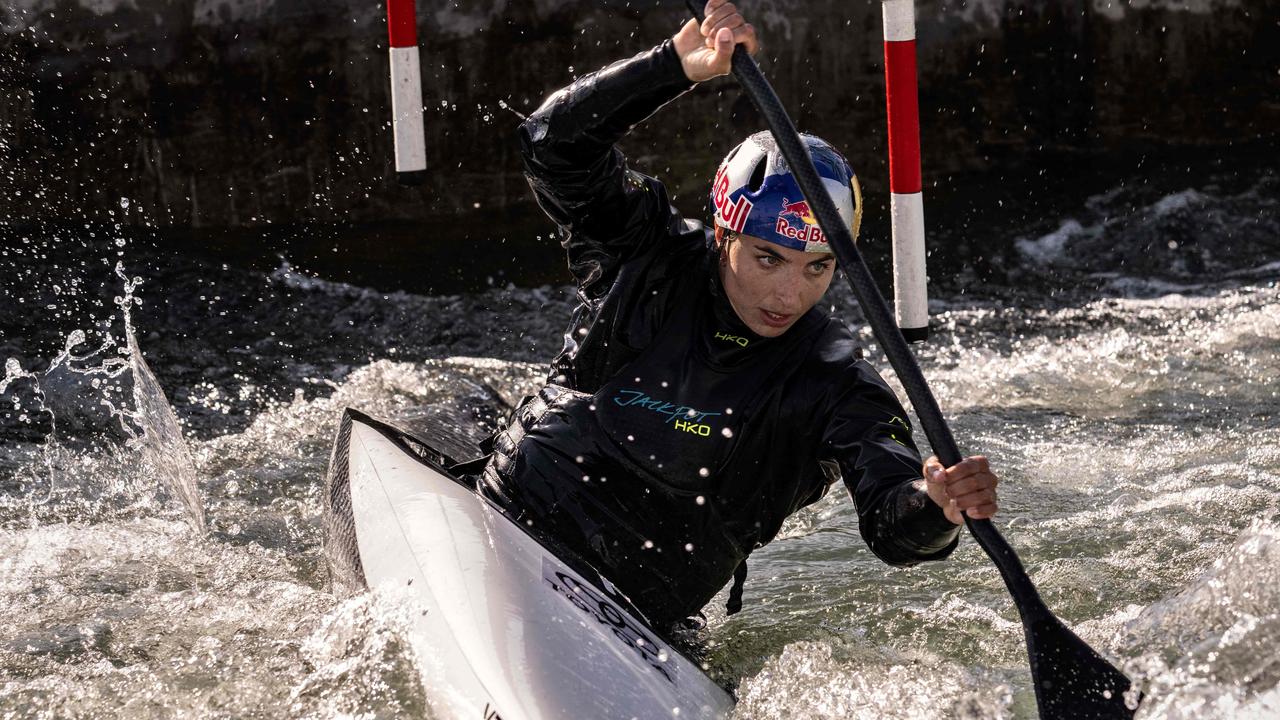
(233, 113)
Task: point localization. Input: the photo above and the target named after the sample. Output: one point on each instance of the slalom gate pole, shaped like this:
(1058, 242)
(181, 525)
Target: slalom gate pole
(906, 202)
(406, 92)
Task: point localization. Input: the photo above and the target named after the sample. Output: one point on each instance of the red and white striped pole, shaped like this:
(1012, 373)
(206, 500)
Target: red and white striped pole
(910, 296)
(406, 92)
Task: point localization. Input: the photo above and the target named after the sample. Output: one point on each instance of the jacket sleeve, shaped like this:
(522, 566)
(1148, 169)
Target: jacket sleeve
(606, 212)
(869, 438)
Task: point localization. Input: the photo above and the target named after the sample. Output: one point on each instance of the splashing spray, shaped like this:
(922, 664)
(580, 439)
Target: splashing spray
(160, 440)
(150, 424)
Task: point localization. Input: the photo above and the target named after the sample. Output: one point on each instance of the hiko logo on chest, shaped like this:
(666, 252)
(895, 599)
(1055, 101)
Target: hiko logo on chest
(732, 338)
(680, 417)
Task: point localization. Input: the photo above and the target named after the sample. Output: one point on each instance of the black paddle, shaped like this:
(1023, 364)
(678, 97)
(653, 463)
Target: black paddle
(1071, 679)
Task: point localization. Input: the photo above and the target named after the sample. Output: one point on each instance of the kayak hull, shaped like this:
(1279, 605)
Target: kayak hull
(502, 623)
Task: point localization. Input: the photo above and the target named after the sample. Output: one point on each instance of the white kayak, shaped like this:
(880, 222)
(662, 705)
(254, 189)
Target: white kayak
(503, 627)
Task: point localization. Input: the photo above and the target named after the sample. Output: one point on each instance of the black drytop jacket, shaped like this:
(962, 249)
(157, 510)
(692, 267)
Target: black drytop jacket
(670, 440)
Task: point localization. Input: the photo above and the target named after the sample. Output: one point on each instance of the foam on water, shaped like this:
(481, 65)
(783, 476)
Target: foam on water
(146, 620)
(1114, 356)
(1048, 248)
(811, 679)
(1209, 650)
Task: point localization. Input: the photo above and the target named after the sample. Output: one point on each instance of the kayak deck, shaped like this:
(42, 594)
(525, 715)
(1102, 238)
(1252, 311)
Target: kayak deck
(507, 624)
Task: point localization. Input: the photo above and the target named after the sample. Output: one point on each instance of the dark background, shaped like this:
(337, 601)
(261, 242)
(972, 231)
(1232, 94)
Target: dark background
(249, 131)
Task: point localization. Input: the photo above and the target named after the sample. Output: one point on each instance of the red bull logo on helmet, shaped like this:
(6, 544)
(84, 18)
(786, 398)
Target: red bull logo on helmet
(799, 232)
(732, 214)
(799, 211)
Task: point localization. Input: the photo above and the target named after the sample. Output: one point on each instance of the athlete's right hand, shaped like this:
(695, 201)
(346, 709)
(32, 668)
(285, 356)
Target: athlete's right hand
(966, 488)
(706, 48)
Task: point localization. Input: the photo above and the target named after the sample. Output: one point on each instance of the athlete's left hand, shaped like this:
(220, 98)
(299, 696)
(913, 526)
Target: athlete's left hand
(706, 48)
(968, 487)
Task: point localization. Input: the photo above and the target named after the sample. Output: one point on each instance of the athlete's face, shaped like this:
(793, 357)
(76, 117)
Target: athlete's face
(771, 286)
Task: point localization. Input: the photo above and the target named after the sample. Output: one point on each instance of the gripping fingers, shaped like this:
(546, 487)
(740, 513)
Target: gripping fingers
(971, 487)
(726, 16)
(745, 34)
(971, 483)
(714, 12)
(985, 511)
(720, 17)
(969, 466)
(734, 23)
(975, 496)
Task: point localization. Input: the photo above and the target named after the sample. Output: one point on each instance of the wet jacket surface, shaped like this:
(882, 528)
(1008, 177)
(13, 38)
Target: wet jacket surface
(670, 440)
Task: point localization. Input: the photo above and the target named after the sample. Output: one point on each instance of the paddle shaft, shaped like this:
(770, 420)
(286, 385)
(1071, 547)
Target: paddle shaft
(1071, 679)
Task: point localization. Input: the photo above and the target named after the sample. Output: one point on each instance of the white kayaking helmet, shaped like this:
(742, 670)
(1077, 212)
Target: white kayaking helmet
(755, 193)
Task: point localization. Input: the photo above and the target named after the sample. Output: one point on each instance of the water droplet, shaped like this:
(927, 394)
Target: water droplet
(648, 544)
(124, 203)
(688, 547)
(703, 472)
(700, 500)
(727, 432)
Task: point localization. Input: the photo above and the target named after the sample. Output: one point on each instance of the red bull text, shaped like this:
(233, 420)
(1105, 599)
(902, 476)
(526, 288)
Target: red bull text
(734, 215)
(803, 233)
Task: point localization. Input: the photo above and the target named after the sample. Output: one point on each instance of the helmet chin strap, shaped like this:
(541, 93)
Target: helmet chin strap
(857, 206)
(723, 239)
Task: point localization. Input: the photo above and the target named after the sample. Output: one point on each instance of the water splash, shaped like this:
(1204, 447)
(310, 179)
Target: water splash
(364, 665)
(160, 440)
(1210, 649)
(148, 422)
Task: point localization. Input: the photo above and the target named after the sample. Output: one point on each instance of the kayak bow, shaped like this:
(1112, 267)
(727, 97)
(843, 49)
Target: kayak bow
(505, 624)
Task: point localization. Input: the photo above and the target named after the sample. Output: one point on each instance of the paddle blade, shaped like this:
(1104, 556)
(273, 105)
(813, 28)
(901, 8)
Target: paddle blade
(1073, 681)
